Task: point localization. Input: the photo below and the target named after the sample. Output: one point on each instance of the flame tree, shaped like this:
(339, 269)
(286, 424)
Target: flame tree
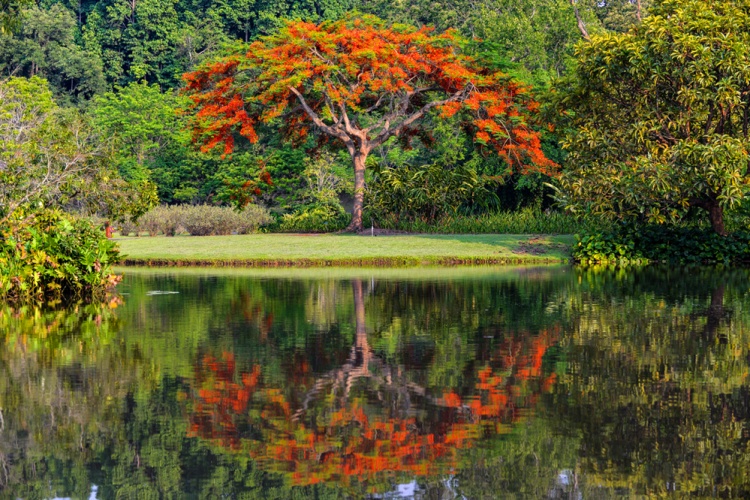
(359, 82)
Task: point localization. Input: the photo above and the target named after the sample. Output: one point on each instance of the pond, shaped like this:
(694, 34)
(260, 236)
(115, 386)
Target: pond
(522, 382)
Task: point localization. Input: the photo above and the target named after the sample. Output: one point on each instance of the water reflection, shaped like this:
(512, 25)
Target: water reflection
(367, 421)
(547, 382)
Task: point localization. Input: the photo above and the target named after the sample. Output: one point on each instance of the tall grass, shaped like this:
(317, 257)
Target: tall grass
(525, 221)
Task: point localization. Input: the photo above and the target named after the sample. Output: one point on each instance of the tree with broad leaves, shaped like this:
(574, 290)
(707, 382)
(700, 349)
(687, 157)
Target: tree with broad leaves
(361, 82)
(657, 120)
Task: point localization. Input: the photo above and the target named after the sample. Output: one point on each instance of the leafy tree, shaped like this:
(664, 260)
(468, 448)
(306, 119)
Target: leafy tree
(46, 46)
(52, 156)
(656, 119)
(43, 148)
(144, 125)
(360, 83)
(138, 39)
(620, 15)
(533, 36)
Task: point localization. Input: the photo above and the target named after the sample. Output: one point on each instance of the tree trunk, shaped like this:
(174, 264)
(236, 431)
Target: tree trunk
(359, 191)
(715, 213)
(716, 216)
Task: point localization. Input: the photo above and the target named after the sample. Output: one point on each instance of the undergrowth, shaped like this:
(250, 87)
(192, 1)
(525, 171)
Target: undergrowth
(525, 221)
(680, 245)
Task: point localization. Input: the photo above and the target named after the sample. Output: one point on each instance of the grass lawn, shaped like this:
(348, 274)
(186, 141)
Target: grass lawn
(299, 249)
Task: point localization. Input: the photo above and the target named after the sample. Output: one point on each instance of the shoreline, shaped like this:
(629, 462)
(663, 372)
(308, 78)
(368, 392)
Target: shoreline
(361, 262)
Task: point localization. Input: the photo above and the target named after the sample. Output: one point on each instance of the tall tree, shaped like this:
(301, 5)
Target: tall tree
(360, 82)
(657, 118)
(143, 124)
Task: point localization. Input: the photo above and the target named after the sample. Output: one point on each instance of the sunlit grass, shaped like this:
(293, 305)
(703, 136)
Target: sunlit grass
(270, 249)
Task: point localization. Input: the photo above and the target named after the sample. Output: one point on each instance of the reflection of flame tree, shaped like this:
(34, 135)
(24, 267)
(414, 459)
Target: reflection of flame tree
(365, 417)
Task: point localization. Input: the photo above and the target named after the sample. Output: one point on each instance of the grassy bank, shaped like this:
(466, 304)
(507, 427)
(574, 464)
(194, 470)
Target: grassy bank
(319, 250)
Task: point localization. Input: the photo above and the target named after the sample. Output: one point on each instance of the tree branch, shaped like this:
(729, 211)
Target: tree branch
(388, 132)
(579, 20)
(333, 131)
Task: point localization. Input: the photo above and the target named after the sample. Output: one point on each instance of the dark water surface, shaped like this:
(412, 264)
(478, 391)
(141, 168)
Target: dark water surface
(547, 382)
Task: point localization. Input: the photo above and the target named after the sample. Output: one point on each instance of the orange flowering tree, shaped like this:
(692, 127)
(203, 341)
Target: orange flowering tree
(359, 82)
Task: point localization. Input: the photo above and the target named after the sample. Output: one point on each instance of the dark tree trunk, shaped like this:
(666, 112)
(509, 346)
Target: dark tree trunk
(716, 216)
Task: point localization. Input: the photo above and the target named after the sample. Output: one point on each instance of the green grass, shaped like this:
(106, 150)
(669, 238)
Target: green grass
(295, 249)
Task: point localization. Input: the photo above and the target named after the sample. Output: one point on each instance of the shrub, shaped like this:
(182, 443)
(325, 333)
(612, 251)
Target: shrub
(528, 220)
(200, 220)
(153, 221)
(683, 245)
(127, 228)
(316, 218)
(205, 220)
(426, 193)
(49, 254)
(252, 218)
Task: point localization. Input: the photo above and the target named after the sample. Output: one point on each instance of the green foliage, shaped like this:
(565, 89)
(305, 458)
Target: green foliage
(199, 220)
(656, 119)
(676, 245)
(315, 218)
(605, 248)
(619, 15)
(325, 180)
(319, 209)
(10, 11)
(52, 156)
(49, 255)
(528, 220)
(535, 37)
(427, 193)
(143, 124)
(47, 46)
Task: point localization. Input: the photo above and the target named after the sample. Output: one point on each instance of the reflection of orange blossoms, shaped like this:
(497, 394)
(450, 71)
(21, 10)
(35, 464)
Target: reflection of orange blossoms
(349, 443)
(220, 398)
(518, 379)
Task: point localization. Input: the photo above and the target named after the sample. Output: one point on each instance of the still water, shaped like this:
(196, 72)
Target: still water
(550, 382)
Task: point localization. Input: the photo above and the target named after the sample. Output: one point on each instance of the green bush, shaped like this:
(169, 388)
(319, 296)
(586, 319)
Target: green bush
(426, 193)
(528, 220)
(48, 255)
(681, 245)
(199, 220)
(316, 218)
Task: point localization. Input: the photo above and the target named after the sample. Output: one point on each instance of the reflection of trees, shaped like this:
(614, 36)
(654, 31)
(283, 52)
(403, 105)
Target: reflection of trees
(657, 385)
(59, 388)
(366, 419)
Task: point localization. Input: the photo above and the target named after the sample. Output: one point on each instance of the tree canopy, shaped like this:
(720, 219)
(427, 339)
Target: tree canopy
(656, 119)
